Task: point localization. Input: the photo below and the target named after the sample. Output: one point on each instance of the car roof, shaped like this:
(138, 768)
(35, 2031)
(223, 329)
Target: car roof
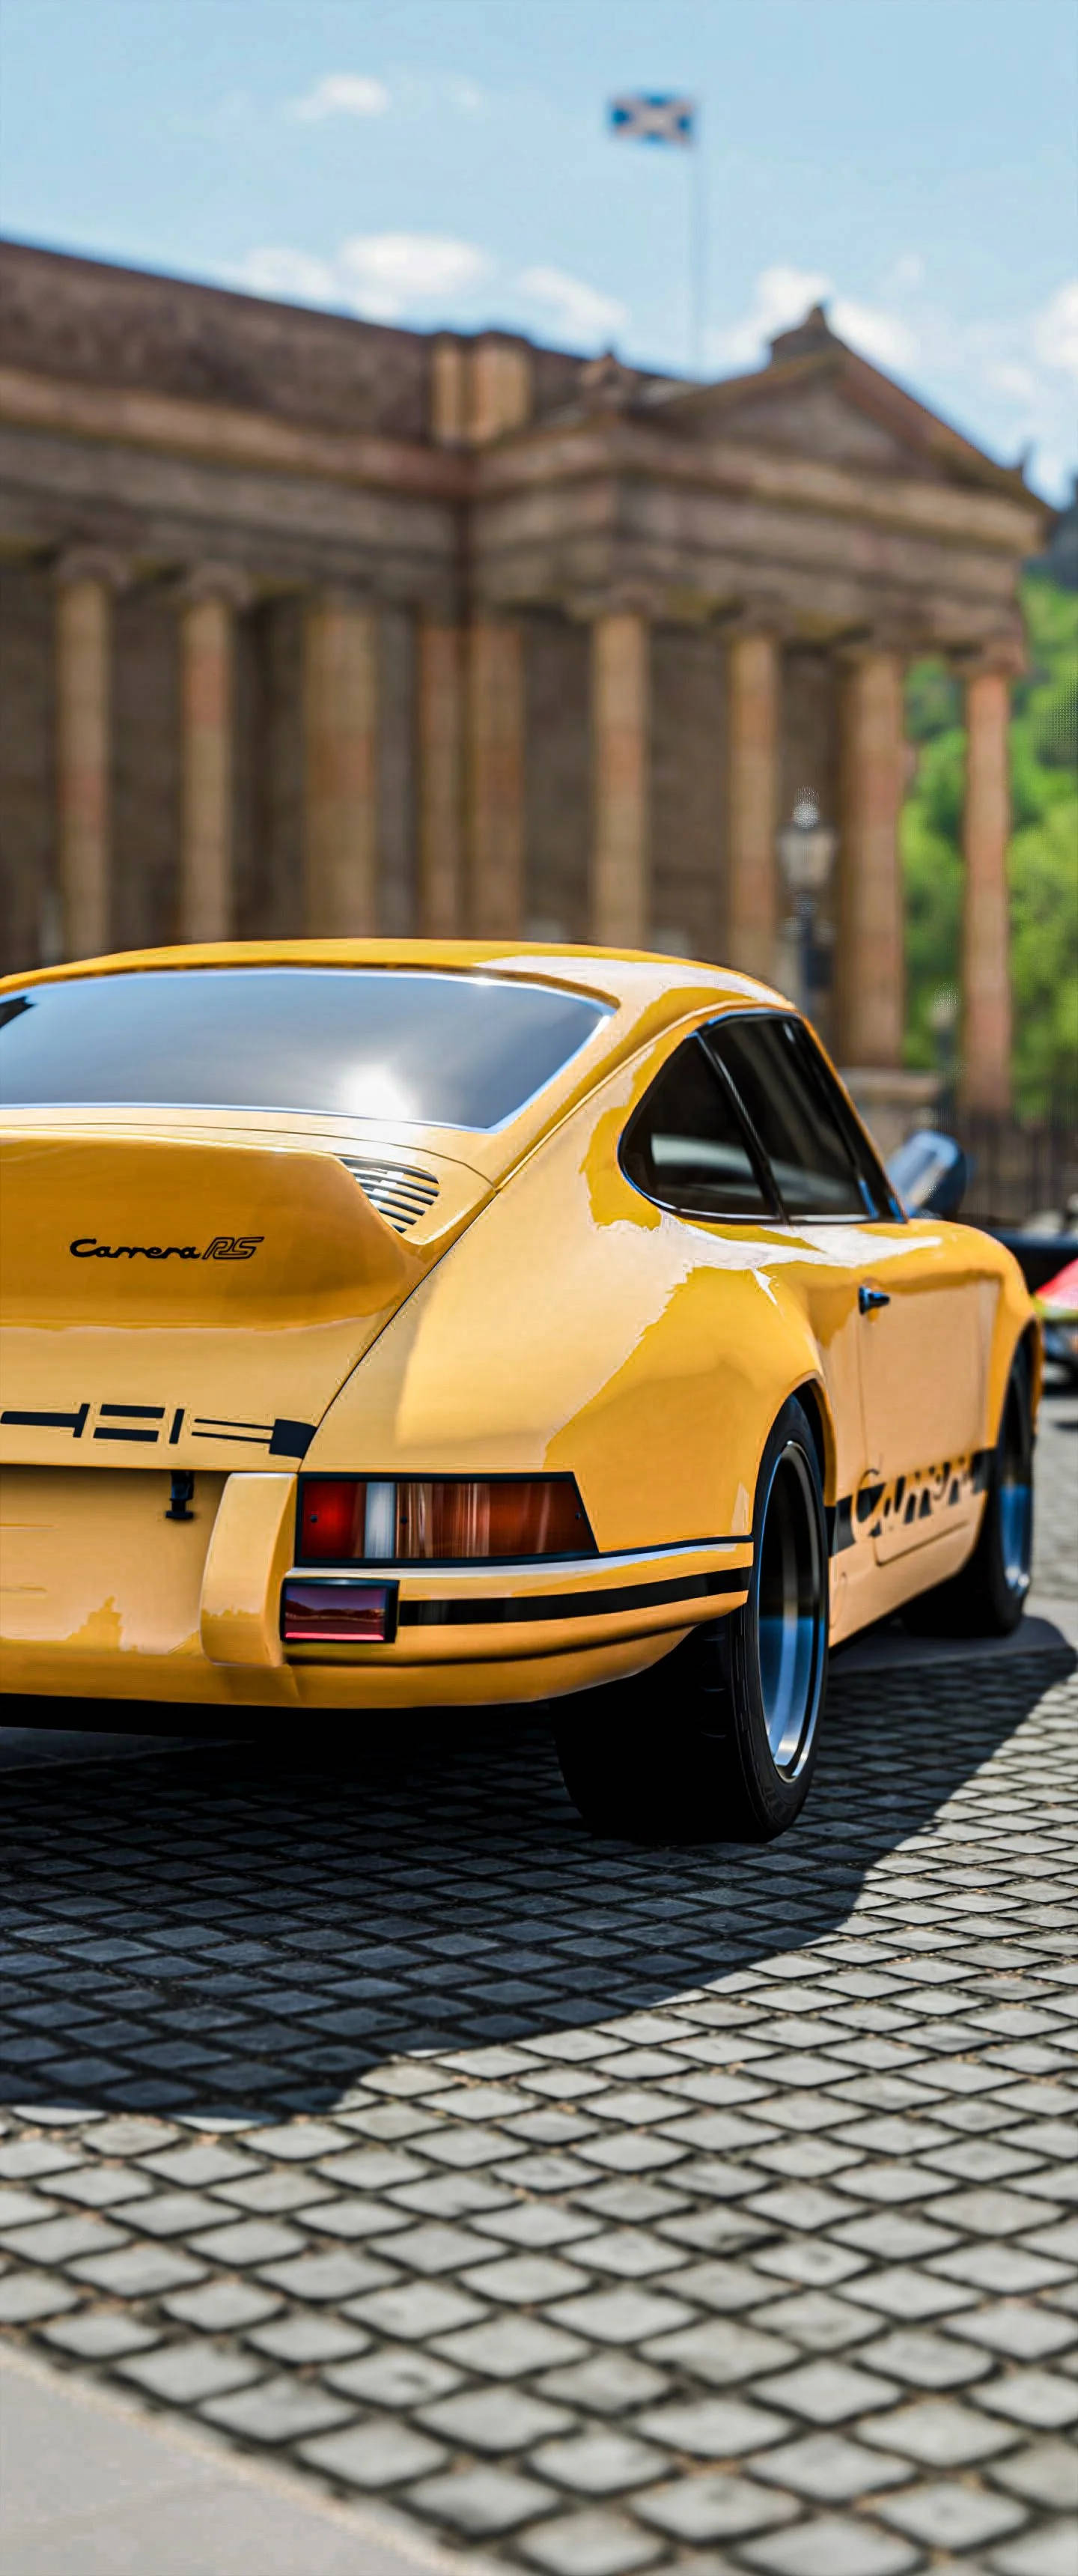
(613, 975)
(646, 997)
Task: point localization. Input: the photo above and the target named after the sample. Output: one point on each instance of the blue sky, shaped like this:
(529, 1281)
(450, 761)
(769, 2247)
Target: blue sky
(446, 161)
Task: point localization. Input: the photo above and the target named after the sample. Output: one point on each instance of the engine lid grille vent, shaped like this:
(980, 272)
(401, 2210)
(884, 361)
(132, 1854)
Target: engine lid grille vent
(401, 1192)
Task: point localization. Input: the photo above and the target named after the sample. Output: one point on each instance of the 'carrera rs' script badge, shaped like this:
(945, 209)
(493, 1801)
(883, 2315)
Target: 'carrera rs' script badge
(225, 1247)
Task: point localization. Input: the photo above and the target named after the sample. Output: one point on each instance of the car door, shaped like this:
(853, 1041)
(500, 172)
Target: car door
(924, 1350)
(923, 1310)
(691, 1148)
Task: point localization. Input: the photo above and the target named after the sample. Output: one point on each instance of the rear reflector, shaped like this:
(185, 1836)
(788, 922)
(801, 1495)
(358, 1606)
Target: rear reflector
(439, 1519)
(329, 1612)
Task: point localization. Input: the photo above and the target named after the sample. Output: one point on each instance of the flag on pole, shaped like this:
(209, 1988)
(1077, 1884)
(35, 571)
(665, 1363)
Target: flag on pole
(641, 117)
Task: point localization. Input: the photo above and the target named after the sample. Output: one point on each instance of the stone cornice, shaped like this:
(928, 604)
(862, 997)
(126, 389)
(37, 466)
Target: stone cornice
(607, 446)
(614, 446)
(221, 435)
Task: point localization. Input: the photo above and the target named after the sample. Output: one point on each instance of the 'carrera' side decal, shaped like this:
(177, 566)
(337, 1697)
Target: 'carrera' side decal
(924, 1496)
(568, 1605)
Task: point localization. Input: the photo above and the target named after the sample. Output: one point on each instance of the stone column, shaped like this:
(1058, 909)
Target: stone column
(620, 724)
(753, 681)
(340, 692)
(440, 699)
(499, 387)
(449, 363)
(209, 599)
(870, 938)
(495, 777)
(986, 986)
(85, 583)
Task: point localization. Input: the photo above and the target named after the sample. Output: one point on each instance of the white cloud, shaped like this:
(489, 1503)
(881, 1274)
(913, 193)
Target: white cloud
(294, 275)
(385, 273)
(1008, 376)
(574, 310)
(781, 296)
(906, 271)
(341, 94)
(1025, 370)
(380, 275)
(878, 335)
(465, 94)
(1055, 331)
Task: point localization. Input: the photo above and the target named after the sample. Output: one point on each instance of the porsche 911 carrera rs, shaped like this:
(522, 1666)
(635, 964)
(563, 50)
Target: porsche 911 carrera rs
(400, 1326)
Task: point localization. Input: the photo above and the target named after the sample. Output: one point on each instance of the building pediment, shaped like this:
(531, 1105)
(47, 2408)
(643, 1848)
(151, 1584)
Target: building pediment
(820, 399)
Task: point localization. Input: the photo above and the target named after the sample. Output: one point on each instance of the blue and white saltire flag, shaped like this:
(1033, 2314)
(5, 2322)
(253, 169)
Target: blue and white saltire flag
(643, 118)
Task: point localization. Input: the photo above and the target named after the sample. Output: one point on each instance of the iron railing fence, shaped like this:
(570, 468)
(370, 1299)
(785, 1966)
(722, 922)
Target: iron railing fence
(1020, 1169)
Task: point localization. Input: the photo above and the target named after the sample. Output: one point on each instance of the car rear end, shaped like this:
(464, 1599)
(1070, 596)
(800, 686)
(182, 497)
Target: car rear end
(214, 1203)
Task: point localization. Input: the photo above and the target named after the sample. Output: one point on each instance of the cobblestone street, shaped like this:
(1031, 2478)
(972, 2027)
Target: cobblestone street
(589, 2206)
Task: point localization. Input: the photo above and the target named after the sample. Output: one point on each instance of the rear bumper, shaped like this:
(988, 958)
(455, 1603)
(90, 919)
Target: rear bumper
(102, 1597)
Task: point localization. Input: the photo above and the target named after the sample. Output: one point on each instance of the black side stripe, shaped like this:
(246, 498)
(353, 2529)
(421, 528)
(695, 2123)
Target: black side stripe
(73, 1422)
(519, 1611)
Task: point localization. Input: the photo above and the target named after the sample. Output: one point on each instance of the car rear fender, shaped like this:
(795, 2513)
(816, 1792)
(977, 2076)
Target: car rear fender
(577, 1327)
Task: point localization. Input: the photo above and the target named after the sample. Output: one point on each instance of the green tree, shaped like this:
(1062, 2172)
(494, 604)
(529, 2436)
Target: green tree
(1042, 859)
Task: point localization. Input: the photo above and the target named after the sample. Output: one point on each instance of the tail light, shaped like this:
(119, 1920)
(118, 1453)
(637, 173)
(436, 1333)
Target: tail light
(368, 1520)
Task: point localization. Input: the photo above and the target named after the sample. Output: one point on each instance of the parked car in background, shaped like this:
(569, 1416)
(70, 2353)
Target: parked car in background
(1057, 1306)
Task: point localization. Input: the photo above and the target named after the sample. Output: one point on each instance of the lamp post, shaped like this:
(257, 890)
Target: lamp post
(806, 849)
(943, 1016)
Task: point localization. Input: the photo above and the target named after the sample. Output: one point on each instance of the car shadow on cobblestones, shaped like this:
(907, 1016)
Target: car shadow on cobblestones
(230, 1929)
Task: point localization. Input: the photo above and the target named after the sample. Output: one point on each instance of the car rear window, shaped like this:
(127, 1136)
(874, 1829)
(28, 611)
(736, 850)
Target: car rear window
(432, 1049)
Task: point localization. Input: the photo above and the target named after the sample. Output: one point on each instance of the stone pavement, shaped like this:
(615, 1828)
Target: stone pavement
(586, 2206)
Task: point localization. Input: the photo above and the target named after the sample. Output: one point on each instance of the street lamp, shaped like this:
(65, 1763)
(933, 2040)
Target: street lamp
(943, 1013)
(806, 850)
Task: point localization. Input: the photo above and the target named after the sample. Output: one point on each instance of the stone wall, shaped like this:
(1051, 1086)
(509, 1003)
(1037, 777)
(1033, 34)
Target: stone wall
(145, 775)
(78, 319)
(26, 763)
(688, 768)
(270, 902)
(557, 776)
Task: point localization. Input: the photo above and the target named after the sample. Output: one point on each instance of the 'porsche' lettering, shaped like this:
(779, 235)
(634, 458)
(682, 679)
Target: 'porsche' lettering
(224, 1247)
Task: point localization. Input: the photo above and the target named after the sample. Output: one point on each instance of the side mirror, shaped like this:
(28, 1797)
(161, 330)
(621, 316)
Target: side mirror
(930, 1174)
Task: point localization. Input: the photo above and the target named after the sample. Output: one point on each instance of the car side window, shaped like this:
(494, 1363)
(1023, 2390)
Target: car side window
(777, 1076)
(688, 1148)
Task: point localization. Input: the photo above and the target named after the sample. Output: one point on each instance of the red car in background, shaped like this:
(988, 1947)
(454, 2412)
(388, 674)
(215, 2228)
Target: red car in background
(1057, 1306)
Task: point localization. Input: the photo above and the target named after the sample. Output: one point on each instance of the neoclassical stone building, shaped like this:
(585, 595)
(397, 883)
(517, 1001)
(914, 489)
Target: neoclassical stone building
(312, 624)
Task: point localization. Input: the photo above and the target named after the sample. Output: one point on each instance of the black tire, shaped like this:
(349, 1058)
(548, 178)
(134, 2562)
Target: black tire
(987, 1596)
(719, 1739)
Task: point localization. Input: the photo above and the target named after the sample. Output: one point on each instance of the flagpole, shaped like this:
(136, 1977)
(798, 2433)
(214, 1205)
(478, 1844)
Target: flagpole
(697, 244)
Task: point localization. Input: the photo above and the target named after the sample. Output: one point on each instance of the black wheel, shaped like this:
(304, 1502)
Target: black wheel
(720, 1738)
(987, 1597)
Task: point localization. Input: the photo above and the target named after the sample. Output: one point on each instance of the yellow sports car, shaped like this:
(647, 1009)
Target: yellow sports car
(397, 1325)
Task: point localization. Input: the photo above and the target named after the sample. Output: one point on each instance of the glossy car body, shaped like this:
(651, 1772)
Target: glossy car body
(1057, 1306)
(539, 1315)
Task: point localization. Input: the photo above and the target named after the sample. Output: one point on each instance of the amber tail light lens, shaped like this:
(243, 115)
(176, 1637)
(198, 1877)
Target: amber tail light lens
(364, 1520)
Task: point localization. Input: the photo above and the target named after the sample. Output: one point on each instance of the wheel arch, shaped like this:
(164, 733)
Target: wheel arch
(813, 1402)
(1031, 1344)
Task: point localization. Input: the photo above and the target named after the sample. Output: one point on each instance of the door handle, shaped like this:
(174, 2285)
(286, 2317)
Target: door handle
(869, 1298)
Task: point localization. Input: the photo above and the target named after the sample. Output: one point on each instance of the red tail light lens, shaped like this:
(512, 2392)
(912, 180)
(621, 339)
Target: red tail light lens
(331, 1519)
(439, 1519)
